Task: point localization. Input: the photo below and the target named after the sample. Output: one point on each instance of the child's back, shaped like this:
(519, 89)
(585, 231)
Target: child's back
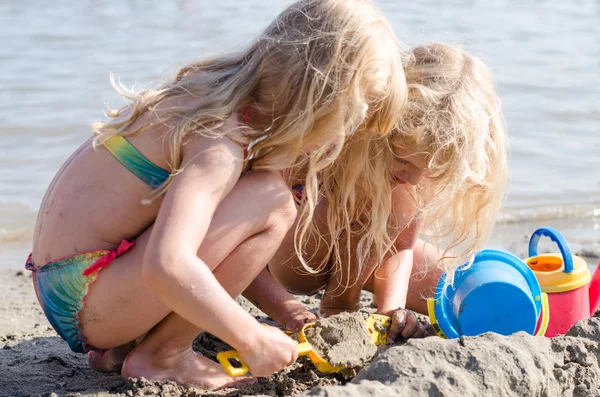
(92, 203)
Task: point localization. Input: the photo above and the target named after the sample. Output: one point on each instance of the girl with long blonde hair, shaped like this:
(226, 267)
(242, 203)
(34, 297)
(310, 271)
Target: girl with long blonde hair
(181, 192)
(440, 174)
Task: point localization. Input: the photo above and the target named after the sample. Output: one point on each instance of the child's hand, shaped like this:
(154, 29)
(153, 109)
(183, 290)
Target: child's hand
(272, 351)
(295, 321)
(406, 325)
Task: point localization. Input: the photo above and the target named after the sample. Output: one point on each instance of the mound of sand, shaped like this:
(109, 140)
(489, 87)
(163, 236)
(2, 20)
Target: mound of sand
(343, 339)
(487, 365)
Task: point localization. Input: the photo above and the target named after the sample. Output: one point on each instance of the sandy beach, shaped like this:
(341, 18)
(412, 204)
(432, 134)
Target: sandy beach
(34, 361)
(544, 56)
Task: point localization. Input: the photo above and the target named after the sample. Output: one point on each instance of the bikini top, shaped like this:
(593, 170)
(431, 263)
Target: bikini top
(139, 165)
(136, 162)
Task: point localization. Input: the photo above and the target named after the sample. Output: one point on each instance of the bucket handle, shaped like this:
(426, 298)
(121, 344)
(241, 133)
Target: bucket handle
(545, 312)
(555, 236)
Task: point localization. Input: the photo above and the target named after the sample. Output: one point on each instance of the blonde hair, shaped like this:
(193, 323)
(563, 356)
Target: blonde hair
(359, 194)
(453, 113)
(322, 70)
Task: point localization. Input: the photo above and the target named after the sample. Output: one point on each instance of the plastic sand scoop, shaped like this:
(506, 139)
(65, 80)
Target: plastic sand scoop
(377, 326)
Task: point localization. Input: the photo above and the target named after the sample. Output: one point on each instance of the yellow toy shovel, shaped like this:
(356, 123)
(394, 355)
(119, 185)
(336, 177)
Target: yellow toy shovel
(376, 324)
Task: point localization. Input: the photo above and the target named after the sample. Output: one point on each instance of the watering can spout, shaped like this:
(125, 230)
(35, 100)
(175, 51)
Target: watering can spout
(595, 291)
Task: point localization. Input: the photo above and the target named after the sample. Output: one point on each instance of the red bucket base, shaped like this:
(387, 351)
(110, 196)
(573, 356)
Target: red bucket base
(566, 308)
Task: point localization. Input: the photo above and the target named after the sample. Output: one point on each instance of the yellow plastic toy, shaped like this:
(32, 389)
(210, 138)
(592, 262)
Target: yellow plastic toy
(376, 324)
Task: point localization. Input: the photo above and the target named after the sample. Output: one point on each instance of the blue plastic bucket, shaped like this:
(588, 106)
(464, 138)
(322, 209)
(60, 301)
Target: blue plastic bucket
(497, 293)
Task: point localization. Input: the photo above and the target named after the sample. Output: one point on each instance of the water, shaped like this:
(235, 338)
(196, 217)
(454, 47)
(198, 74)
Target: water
(55, 62)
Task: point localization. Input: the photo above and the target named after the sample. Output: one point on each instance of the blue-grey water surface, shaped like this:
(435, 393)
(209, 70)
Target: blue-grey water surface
(56, 57)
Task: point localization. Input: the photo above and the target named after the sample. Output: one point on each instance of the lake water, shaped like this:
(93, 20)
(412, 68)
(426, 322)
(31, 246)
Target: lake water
(56, 58)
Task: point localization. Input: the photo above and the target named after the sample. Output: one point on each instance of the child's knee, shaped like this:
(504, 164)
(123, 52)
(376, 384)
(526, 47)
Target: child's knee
(283, 209)
(284, 214)
(275, 199)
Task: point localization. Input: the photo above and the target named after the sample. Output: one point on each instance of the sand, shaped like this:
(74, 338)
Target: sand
(342, 339)
(487, 365)
(34, 361)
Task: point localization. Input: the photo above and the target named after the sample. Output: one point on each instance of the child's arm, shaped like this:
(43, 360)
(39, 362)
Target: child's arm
(390, 286)
(211, 167)
(278, 303)
(391, 279)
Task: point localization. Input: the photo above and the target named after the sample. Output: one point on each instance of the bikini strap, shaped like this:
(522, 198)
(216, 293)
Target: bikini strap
(136, 162)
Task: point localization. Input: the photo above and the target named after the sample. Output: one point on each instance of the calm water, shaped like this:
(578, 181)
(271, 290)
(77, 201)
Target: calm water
(55, 61)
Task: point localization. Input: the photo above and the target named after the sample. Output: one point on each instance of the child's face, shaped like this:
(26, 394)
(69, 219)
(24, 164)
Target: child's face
(410, 165)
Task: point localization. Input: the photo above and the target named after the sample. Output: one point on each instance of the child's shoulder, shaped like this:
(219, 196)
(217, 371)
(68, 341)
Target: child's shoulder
(156, 136)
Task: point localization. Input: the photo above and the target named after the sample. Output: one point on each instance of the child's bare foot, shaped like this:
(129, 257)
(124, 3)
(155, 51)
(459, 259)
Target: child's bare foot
(111, 360)
(186, 367)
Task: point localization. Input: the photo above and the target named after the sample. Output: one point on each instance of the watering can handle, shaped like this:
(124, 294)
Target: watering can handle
(555, 236)
(545, 316)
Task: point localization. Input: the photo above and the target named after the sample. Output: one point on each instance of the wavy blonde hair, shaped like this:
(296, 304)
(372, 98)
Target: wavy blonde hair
(359, 194)
(453, 114)
(322, 70)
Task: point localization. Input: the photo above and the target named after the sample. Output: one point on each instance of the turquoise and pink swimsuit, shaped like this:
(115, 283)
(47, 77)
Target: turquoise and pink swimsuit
(61, 286)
